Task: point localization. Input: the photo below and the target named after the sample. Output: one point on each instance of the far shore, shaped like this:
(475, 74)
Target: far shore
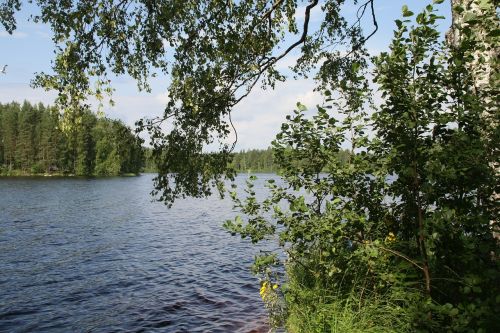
(61, 175)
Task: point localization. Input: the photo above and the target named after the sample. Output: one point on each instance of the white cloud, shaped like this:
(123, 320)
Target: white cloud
(162, 98)
(316, 14)
(287, 62)
(258, 118)
(131, 108)
(18, 92)
(128, 108)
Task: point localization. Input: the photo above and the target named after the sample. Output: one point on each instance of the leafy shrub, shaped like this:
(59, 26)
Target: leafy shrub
(401, 236)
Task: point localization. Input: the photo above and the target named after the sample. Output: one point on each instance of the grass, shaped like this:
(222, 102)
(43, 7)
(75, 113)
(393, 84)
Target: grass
(341, 314)
(332, 309)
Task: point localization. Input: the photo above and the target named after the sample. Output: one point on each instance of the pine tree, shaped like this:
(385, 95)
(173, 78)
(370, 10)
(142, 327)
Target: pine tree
(26, 145)
(84, 146)
(9, 123)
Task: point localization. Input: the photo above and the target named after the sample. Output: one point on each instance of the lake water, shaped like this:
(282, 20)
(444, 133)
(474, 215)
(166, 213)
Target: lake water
(97, 255)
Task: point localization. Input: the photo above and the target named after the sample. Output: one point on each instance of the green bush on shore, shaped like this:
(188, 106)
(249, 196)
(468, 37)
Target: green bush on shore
(401, 237)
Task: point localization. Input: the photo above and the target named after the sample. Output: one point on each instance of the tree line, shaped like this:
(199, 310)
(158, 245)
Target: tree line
(251, 161)
(36, 139)
(254, 160)
(262, 160)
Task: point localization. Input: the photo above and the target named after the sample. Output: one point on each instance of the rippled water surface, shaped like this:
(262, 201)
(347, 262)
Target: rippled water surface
(96, 255)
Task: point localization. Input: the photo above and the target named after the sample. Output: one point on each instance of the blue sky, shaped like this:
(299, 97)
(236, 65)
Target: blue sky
(257, 118)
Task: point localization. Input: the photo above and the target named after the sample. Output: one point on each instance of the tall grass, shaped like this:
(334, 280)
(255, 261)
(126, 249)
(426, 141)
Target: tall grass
(314, 307)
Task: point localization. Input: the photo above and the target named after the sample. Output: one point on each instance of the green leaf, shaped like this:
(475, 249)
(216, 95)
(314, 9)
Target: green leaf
(406, 11)
(494, 33)
(301, 107)
(485, 4)
(470, 17)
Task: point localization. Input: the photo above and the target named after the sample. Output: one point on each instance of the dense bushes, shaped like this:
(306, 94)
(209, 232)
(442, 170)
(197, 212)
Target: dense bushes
(401, 237)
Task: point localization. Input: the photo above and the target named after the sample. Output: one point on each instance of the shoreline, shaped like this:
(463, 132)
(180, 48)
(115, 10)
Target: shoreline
(62, 175)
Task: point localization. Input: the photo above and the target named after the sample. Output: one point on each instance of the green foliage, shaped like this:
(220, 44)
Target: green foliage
(83, 145)
(117, 150)
(401, 237)
(7, 10)
(254, 160)
(149, 163)
(319, 309)
(32, 142)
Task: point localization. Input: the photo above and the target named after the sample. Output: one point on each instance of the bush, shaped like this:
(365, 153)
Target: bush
(398, 238)
(37, 168)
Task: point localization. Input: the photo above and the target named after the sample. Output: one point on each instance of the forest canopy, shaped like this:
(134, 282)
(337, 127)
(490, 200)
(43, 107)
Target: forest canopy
(32, 141)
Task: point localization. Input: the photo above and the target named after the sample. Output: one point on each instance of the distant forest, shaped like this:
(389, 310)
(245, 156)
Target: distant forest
(32, 142)
(245, 161)
(256, 160)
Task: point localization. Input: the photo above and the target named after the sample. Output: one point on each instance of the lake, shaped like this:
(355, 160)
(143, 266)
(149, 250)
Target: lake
(97, 255)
